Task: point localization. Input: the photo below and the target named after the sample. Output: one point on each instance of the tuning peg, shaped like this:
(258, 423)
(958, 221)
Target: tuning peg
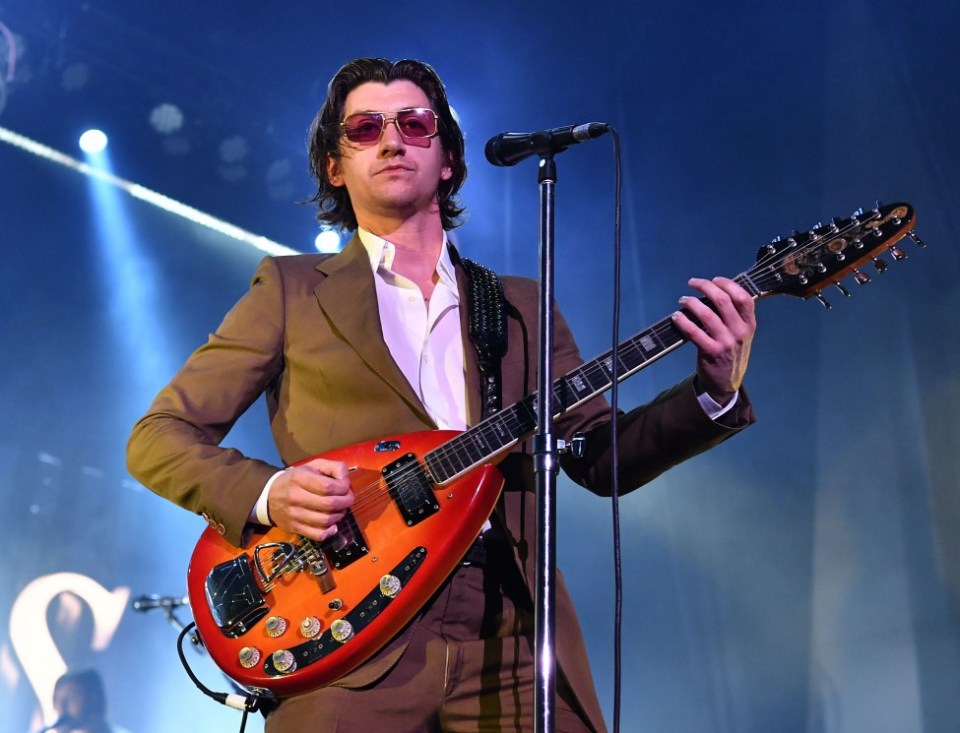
(824, 302)
(858, 212)
(880, 265)
(913, 235)
(897, 253)
(839, 286)
(879, 204)
(861, 278)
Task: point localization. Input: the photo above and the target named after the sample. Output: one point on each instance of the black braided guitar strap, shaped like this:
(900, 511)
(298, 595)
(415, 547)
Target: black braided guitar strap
(488, 329)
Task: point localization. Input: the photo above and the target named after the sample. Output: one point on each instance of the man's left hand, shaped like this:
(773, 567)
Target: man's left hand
(723, 336)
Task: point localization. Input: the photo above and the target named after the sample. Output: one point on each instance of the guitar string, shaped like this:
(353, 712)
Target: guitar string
(374, 492)
(762, 274)
(488, 427)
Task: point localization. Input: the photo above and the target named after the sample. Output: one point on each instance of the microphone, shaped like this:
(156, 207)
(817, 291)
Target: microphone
(147, 603)
(509, 148)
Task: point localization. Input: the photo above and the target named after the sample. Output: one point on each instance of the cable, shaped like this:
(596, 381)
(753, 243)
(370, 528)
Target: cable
(614, 453)
(248, 703)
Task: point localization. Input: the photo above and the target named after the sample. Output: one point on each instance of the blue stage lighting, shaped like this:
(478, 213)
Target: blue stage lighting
(328, 241)
(93, 141)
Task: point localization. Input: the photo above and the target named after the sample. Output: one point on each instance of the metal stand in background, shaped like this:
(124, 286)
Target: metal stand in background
(545, 465)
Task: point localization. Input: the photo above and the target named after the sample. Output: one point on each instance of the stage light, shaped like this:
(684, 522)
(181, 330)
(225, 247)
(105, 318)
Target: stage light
(166, 203)
(327, 241)
(93, 142)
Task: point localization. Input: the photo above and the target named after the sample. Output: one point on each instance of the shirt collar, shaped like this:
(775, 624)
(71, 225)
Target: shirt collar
(381, 254)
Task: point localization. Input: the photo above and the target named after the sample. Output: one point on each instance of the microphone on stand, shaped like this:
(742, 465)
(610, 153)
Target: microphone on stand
(148, 603)
(509, 148)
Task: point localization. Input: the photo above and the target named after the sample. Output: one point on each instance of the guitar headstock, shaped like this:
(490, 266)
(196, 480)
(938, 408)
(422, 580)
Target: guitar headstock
(805, 263)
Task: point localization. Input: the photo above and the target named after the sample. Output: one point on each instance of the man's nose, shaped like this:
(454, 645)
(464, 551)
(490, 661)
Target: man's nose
(390, 137)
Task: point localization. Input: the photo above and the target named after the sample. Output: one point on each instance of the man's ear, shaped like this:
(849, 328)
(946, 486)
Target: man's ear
(446, 172)
(333, 171)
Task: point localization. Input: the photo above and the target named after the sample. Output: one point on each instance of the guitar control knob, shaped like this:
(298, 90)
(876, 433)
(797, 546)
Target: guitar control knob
(275, 626)
(390, 585)
(284, 661)
(249, 657)
(310, 627)
(341, 630)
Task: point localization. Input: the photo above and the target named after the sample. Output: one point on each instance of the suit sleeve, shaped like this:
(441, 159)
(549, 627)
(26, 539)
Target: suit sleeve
(174, 450)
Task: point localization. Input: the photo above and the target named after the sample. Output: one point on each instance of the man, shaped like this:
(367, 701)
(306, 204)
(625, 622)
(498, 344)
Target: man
(373, 342)
(81, 704)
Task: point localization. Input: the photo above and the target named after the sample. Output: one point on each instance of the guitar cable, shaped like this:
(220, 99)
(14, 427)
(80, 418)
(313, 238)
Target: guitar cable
(248, 702)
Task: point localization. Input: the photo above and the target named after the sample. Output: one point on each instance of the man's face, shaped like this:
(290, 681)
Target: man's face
(393, 176)
(69, 700)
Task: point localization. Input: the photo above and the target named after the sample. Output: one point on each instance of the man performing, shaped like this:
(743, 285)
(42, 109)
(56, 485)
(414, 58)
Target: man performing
(374, 341)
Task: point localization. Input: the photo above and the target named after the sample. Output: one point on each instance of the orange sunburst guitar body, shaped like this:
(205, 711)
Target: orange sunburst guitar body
(288, 615)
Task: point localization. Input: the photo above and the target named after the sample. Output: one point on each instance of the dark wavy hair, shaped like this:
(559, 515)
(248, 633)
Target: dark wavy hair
(333, 202)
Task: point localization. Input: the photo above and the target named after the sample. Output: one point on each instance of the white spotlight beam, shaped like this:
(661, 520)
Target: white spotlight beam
(145, 194)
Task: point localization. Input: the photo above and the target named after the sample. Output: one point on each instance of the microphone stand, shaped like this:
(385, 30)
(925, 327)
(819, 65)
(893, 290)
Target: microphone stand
(545, 468)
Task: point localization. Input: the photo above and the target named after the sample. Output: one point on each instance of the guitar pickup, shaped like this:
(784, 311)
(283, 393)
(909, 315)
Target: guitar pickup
(411, 489)
(347, 545)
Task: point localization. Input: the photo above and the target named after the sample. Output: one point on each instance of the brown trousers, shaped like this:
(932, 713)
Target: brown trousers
(468, 668)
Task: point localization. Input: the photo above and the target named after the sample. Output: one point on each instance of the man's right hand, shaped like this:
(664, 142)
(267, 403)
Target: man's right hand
(310, 498)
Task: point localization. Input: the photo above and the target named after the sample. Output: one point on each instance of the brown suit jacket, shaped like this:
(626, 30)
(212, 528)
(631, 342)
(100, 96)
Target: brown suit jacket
(307, 334)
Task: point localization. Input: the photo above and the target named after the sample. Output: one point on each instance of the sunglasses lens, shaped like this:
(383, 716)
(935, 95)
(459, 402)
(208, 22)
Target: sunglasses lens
(366, 127)
(363, 128)
(417, 123)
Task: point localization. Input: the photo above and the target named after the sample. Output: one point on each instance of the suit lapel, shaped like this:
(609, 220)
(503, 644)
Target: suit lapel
(348, 298)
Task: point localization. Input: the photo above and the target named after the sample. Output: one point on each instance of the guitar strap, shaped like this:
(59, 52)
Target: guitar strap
(488, 330)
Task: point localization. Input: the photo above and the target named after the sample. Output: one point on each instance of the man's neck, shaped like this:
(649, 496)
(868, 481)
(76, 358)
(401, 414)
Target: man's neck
(417, 243)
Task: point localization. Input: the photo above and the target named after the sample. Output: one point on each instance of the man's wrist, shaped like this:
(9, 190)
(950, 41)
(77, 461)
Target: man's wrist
(260, 514)
(711, 406)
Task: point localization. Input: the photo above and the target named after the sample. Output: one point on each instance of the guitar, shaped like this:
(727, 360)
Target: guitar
(288, 614)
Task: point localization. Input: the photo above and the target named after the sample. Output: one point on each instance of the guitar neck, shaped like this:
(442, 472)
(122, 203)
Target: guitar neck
(802, 265)
(504, 429)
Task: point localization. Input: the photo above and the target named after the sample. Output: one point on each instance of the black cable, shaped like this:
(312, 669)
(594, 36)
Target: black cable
(614, 454)
(248, 702)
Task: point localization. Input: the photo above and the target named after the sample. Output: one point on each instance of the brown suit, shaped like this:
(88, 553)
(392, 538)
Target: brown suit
(308, 335)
